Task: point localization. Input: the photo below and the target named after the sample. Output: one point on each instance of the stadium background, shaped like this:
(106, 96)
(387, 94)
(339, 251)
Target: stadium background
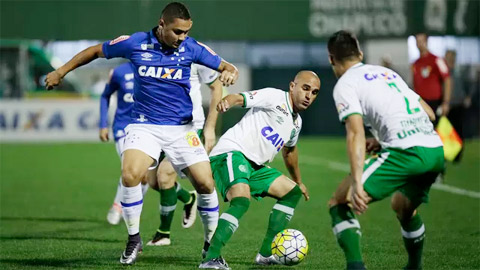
(54, 194)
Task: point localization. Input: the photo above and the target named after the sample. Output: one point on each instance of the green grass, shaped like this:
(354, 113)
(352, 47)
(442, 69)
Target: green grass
(54, 199)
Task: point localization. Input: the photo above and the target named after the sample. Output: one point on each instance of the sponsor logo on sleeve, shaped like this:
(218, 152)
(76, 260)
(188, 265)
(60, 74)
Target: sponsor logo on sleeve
(342, 107)
(119, 39)
(206, 47)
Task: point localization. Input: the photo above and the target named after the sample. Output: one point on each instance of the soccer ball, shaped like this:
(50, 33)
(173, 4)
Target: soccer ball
(289, 247)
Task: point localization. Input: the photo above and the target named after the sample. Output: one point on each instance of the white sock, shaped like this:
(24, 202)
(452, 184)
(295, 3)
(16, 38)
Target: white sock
(144, 189)
(132, 203)
(118, 195)
(208, 210)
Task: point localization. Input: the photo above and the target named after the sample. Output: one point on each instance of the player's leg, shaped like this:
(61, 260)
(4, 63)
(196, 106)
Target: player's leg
(140, 154)
(288, 195)
(239, 197)
(345, 226)
(188, 156)
(200, 174)
(424, 164)
(231, 172)
(165, 179)
(115, 213)
(413, 229)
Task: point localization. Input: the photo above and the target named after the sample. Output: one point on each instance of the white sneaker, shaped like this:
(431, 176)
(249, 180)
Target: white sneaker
(114, 214)
(190, 211)
(159, 241)
(259, 259)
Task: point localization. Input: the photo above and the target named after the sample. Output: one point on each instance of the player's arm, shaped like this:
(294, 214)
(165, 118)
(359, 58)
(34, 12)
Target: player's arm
(356, 155)
(447, 93)
(230, 101)
(110, 88)
(211, 121)
(229, 73)
(290, 157)
(428, 110)
(84, 57)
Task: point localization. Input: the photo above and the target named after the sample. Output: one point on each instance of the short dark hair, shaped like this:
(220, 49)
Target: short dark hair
(175, 10)
(421, 33)
(343, 45)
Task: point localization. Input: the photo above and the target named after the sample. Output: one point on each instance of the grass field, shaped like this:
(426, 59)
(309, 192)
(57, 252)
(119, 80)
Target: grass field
(54, 199)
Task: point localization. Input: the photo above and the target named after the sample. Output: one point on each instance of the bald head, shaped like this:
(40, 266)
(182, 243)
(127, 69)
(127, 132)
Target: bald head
(304, 89)
(307, 75)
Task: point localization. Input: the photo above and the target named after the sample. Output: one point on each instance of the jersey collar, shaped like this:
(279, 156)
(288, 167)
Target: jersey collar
(289, 105)
(157, 45)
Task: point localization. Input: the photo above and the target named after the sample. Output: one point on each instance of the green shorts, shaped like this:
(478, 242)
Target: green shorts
(233, 167)
(411, 171)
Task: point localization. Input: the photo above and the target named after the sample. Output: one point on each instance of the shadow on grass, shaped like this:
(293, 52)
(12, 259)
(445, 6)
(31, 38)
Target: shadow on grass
(55, 263)
(52, 219)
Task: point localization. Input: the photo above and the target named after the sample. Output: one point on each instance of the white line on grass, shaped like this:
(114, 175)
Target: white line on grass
(344, 167)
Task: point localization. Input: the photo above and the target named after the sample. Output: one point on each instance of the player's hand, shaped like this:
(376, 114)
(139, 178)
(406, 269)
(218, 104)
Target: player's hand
(359, 198)
(304, 191)
(445, 108)
(372, 145)
(223, 106)
(228, 78)
(53, 78)
(210, 138)
(103, 134)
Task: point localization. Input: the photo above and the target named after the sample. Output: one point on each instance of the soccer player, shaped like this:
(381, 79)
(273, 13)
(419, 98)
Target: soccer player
(121, 80)
(162, 112)
(238, 161)
(410, 153)
(164, 180)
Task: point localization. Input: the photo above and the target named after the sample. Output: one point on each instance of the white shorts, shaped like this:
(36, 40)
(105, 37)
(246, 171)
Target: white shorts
(119, 144)
(181, 144)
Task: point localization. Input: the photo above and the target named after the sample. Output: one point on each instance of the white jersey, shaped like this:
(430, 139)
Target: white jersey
(388, 106)
(199, 74)
(268, 126)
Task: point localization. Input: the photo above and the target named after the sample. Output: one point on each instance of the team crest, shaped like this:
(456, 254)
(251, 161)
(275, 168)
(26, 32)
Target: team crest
(426, 71)
(242, 168)
(192, 139)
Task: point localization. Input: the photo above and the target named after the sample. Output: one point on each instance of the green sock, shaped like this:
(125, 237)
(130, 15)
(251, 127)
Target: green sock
(182, 194)
(413, 232)
(227, 225)
(347, 230)
(281, 214)
(168, 202)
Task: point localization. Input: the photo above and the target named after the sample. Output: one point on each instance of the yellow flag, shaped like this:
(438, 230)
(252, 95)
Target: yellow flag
(452, 144)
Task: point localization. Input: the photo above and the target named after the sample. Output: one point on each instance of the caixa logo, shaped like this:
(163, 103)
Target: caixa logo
(273, 137)
(160, 72)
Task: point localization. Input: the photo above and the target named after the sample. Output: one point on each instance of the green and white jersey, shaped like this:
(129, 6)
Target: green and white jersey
(268, 126)
(388, 106)
(199, 74)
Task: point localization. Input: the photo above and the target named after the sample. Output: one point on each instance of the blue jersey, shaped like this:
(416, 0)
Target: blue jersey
(162, 75)
(122, 82)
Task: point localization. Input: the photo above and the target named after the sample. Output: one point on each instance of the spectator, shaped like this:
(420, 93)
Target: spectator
(460, 98)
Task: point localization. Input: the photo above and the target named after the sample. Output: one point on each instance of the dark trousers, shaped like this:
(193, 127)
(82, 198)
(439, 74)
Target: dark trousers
(456, 117)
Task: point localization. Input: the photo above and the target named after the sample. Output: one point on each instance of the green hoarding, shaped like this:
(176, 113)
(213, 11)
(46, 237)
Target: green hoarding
(262, 20)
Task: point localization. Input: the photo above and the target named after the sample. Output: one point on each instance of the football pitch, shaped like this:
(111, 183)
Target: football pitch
(54, 199)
